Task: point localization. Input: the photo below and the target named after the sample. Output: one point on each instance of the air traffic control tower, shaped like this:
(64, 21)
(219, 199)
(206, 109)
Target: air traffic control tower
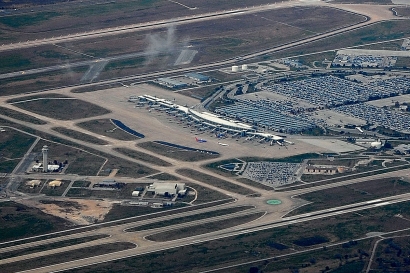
(45, 158)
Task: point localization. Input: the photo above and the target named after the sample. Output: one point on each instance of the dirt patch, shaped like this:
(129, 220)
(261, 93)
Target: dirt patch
(80, 212)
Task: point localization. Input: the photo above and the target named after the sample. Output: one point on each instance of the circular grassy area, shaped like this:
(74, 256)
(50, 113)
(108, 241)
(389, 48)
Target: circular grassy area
(274, 202)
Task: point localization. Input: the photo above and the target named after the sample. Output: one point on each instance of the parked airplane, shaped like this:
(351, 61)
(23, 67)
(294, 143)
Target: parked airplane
(223, 144)
(200, 140)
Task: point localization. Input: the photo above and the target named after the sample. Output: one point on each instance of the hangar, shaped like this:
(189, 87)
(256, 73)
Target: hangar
(167, 189)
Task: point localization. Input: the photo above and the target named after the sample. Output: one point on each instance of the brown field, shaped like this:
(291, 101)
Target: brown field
(55, 191)
(143, 157)
(402, 11)
(203, 228)
(190, 218)
(41, 81)
(19, 221)
(106, 128)
(20, 116)
(28, 189)
(61, 108)
(80, 136)
(65, 243)
(141, 213)
(358, 192)
(204, 194)
(164, 176)
(265, 246)
(378, 32)
(235, 36)
(67, 256)
(79, 161)
(176, 153)
(214, 181)
(122, 193)
(13, 146)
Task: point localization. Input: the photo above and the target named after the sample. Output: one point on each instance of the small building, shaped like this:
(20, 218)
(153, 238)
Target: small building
(171, 83)
(55, 183)
(109, 183)
(33, 183)
(135, 193)
(312, 169)
(53, 168)
(38, 167)
(197, 77)
(167, 189)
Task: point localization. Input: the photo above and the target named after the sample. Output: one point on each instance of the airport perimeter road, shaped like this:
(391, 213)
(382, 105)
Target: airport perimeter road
(242, 229)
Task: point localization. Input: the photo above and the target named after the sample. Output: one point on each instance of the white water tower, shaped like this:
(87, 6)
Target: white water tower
(235, 68)
(244, 67)
(45, 158)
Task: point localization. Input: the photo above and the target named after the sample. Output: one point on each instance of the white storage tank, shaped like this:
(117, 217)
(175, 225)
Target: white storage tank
(235, 68)
(244, 67)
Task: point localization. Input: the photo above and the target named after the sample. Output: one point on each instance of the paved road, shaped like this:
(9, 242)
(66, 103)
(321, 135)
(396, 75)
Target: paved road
(243, 229)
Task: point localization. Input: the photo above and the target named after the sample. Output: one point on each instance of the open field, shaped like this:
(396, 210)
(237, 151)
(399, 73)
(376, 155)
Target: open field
(13, 145)
(50, 246)
(41, 81)
(79, 161)
(77, 16)
(373, 168)
(143, 213)
(106, 128)
(83, 160)
(55, 191)
(60, 107)
(377, 32)
(80, 136)
(268, 244)
(28, 189)
(203, 228)
(19, 221)
(67, 256)
(81, 183)
(164, 176)
(120, 212)
(123, 193)
(20, 116)
(143, 157)
(205, 194)
(175, 153)
(403, 11)
(348, 194)
(214, 181)
(389, 255)
(235, 36)
(185, 219)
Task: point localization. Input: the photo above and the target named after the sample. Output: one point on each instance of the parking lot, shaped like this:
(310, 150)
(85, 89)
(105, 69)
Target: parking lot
(376, 115)
(330, 91)
(271, 173)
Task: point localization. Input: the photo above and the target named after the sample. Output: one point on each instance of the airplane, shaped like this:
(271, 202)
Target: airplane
(200, 140)
(223, 144)
(220, 135)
